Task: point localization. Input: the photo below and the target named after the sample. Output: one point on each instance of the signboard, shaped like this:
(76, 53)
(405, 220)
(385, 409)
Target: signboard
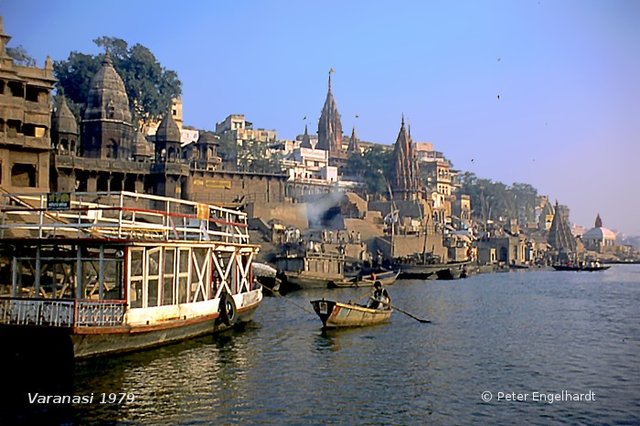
(58, 201)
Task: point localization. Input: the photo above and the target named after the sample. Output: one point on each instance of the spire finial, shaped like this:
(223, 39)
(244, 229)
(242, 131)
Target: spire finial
(403, 119)
(331, 71)
(598, 221)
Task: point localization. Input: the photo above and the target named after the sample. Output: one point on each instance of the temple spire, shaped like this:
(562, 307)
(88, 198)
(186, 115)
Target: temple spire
(598, 221)
(354, 145)
(330, 124)
(560, 237)
(306, 141)
(331, 71)
(404, 175)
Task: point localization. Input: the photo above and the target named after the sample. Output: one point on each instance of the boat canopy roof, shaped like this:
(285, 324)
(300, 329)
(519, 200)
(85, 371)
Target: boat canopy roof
(119, 215)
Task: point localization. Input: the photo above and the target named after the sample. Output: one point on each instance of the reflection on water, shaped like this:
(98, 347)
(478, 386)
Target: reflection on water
(518, 332)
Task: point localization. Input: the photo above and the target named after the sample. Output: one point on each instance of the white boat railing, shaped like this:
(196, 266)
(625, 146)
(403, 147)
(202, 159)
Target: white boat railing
(62, 313)
(119, 215)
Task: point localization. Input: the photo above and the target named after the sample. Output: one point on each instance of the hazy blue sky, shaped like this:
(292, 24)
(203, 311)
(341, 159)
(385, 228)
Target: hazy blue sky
(567, 73)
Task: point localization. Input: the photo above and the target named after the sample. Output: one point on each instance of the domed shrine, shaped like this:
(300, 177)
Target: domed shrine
(599, 238)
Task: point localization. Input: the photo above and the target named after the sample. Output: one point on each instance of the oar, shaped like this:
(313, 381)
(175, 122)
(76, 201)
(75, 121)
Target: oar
(424, 321)
(277, 293)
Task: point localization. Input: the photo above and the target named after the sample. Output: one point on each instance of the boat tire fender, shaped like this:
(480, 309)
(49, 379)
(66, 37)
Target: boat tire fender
(227, 309)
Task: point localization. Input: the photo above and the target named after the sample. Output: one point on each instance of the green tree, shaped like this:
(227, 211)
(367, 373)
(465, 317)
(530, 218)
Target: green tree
(372, 166)
(150, 87)
(256, 156)
(497, 201)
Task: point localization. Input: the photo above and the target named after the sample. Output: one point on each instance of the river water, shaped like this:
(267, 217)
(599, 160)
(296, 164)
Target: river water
(519, 335)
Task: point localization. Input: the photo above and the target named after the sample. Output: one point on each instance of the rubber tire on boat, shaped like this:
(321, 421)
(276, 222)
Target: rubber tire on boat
(227, 309)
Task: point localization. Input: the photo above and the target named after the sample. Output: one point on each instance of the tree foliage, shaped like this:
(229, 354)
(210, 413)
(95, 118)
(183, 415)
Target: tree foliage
(497, 201)
(372, 166)
(256, 156)
(20, 56)
(150, 87)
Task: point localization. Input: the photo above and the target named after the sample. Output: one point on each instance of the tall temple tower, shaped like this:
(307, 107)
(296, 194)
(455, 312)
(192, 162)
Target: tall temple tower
(404, 174)
(64, 128)
(560, 237)
(354, 143)
(330, 126)
(107, 132)
(306, 140)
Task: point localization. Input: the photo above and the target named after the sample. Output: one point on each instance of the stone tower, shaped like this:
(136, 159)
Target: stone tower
(404, 174)
(107, 132)
(306, 141)
(168, 140)
(64, 128)
(330, 126)
(560, 237)
(354, 143)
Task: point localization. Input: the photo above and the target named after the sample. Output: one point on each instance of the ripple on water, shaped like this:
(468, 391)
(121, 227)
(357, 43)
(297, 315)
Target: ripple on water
(515, 332)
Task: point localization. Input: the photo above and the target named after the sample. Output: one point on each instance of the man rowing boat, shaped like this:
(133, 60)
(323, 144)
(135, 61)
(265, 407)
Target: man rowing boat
(380, 298)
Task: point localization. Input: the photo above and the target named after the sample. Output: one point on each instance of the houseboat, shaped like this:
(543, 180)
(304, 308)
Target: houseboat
(111, 272)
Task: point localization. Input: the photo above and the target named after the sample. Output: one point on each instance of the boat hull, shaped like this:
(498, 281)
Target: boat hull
(337, 315)
(580, 268)
(89, 342)
(386, 278)
(301, 280)
(451, 270)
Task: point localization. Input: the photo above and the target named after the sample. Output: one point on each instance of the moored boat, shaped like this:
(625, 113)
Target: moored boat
(336, 314)
(103, 273)
(583, 268)
(385, 277)
(314, 270)
(453, 271)
(412, 269)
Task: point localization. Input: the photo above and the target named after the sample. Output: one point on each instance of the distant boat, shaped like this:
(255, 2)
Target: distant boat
(585, 268)
(454, 271)
(314, 270)
(385, 277)
(311, 279)
(336, 315)
(417, 269)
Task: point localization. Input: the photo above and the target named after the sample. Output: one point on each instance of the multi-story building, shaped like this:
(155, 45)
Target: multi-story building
(441, 181)
(237, 128)
(25, 120)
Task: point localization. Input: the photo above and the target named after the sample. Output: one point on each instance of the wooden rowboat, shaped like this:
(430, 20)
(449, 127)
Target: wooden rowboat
(386, 278)
(336, 314)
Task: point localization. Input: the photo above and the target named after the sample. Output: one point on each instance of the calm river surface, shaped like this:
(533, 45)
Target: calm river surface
(518, 332)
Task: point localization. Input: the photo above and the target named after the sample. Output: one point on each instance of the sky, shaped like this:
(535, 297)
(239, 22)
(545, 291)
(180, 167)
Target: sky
(529, 91)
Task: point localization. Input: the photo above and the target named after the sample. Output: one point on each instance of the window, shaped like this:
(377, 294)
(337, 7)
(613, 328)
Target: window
(32, 94)
(17, 89)
(23, 175)
(112, 149)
